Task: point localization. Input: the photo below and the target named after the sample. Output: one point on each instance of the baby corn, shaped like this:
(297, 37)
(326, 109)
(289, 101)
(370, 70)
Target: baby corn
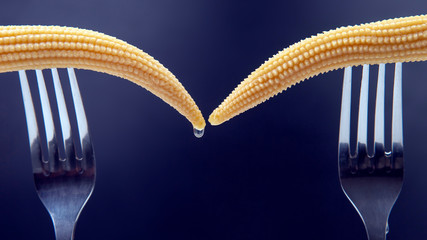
(40, 47)
(394, 40)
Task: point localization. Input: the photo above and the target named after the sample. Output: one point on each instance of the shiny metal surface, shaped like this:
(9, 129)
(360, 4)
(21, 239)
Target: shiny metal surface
(65, 178)
(372, 183)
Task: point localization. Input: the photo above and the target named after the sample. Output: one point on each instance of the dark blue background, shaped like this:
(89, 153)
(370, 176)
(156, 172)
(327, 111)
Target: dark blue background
(270, 173)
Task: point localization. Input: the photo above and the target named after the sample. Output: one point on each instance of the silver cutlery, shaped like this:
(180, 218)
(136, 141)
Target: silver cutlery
(64, 175)
(372, 182)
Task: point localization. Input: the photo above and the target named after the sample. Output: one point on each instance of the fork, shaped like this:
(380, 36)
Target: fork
(372, 183)
(64, 178)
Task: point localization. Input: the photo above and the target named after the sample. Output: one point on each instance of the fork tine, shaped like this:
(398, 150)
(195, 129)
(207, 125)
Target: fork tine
(39, 166)
(344, 132)
(380, 160)
(85, 141)
(345, 107)
(397, 122)
(69, 158)
(379, 111)
(52, 147)
(362, 123)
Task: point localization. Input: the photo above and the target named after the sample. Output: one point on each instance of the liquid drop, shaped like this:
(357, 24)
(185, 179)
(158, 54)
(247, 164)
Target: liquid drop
(198, 133)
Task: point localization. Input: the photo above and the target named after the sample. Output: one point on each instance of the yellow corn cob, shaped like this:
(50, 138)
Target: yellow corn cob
(394, 40)
(40, 47)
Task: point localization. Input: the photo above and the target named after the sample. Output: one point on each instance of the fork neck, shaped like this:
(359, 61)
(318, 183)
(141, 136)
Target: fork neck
(377, 233)
(64, 229)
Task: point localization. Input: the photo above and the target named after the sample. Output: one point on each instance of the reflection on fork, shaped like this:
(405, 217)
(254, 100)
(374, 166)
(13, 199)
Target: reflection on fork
(64, 177)
(372, 183)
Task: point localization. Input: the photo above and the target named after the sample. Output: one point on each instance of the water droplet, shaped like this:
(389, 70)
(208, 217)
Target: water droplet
(198, 133)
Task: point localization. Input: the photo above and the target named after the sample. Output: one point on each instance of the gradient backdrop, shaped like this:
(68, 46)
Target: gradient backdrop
(270, 173)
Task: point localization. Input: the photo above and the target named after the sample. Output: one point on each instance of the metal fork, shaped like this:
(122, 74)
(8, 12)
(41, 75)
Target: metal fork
(64, 180)
(372, 183)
